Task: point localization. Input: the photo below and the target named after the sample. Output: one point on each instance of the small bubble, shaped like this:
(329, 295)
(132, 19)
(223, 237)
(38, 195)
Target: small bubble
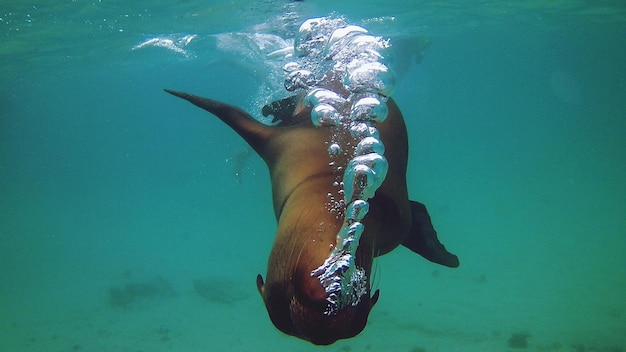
(334, 149)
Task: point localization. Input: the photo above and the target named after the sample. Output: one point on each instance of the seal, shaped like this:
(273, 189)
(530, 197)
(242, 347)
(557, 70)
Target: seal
(301, 174)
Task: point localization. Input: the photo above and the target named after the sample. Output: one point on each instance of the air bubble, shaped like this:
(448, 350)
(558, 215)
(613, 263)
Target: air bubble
(363, 176)
(340, 38)
(360, 130)
(323, 96)
(373, 132)
(324, 115)
(360, 49)
(304, 36)
(290, 67)
(369, 109)
(370, 44)
(299, 79)
(370, 145)
(370, 77)
(358, 179)
(334, 149)
(357, 210)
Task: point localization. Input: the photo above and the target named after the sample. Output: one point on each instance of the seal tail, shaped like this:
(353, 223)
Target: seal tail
(251, 130)
(423, 238)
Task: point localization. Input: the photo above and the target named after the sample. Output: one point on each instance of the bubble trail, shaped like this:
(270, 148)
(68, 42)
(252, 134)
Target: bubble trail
(342, 69)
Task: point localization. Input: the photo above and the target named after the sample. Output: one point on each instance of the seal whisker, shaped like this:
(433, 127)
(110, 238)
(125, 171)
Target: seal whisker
(302, 247)
(300, 254)
(375, 276)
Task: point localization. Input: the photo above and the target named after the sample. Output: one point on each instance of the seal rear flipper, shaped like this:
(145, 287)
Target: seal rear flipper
(423, 238)
(253, 131)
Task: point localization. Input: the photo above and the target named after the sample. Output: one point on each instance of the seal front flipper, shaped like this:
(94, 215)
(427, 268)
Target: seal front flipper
(423, 238)
(251, 130)
(281, 110)
(287, 111)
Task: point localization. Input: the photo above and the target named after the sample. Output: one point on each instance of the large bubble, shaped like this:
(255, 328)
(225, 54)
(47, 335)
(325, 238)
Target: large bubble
(340, 38)
(357, 210)
(324, 115)
(361, 49)
(369, 109)
(363, 129)
(370, 145)
(370, 77)
(323, 96)
(363, 175)
(307, 37)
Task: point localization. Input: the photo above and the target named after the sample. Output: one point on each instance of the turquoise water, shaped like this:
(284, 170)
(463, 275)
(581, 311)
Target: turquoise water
(516, 115)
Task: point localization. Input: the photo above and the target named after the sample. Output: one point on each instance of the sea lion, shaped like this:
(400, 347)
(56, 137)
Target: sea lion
(296, 153)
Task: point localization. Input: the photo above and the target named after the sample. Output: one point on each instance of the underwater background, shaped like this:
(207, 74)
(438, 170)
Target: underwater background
(132, 221)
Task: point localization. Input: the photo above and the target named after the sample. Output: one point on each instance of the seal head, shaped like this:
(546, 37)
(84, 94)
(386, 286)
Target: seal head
(297, 308)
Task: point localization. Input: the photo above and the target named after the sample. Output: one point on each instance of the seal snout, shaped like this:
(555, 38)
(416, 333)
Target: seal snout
(298, 308)
(323, 329)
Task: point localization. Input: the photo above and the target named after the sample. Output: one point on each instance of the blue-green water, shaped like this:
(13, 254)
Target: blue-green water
(516, 116)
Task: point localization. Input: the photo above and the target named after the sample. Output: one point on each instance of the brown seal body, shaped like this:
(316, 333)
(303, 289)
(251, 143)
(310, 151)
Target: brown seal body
(296, 153)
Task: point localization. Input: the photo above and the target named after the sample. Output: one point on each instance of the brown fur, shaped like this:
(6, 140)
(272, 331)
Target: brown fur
(297, 157)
